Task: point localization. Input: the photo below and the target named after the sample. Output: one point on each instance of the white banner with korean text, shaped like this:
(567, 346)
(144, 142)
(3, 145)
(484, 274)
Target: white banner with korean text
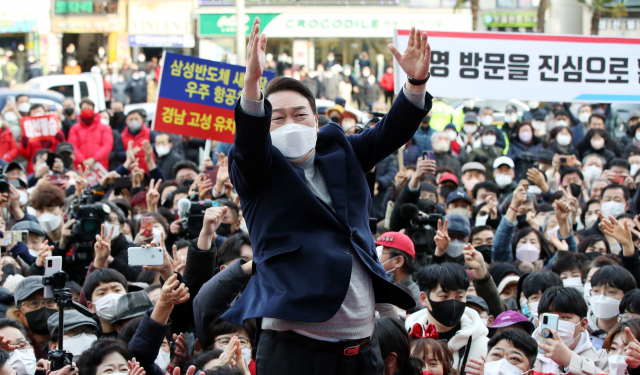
(540, 67)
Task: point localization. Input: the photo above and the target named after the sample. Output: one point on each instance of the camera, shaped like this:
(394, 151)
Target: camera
(4, 184)
(193, 209)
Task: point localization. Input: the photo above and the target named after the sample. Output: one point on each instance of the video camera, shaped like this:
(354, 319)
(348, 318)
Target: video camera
(375, 118)
(192, 209)
(422, 230)
(4, 184)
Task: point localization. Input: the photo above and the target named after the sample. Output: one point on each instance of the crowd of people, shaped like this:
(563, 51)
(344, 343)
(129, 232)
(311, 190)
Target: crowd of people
(486, 230)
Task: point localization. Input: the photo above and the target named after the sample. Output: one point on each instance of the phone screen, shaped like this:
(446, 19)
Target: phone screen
(146, 225)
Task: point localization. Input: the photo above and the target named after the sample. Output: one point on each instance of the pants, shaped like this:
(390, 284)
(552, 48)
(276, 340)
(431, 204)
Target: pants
(280, 357)
(388, 97)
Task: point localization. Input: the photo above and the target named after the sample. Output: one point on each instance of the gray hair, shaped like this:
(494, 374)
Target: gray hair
(602, 159)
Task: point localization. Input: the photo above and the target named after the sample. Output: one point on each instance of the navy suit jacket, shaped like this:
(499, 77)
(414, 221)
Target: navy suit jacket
(302, 249)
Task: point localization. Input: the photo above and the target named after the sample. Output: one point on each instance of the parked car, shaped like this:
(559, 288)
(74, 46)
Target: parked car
(78, 86)
(47, 98)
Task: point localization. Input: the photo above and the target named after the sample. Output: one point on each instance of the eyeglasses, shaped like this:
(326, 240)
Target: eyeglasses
(80, 330)
(36, 304)
(224, 341)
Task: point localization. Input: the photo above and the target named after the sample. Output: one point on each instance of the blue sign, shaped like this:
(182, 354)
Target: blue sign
(184, 41)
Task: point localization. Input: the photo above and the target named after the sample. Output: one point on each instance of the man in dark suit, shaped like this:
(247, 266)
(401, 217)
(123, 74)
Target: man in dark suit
(316, 276)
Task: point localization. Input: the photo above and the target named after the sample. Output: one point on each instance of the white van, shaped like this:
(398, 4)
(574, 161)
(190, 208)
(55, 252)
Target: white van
(77, 86)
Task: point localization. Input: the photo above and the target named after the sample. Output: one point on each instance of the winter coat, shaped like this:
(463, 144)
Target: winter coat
(28, 148)
(386, 82)
(332, 87)
(590, 361)
(92, 141)
(446, 160)
(137, 90)
(517, 147)
(167, 162)
(371, 93)
(386, 172)
(470, 326)
(146, 342)
(491, 153)
(567, 150)
(486, 289)
(423, 138)
(119, 92)
(121, 145)
(8, 146)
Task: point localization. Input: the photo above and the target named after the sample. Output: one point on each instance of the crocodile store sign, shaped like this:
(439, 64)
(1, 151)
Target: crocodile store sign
(332, 25)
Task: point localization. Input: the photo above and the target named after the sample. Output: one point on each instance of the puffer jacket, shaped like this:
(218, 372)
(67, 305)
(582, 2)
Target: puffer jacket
(92, 141)
(8, 146)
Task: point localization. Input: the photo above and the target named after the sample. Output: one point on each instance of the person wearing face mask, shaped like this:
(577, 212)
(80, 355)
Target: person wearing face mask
(441, 146)
(22, 360)
(13, 112)
(614, 202)
(102, 289)
(28, 148)
(79, 332)
(395, 349)
(424, 134)
(443, 293)
(511, 352)
(632, 135)
(70, 118)
(135, 132)
(489, 151)
(398, 257)
(472, 174)
(451, 237)
(131, 306)
(504, 175)
(470, 132)
(118, 119)
(478, 304)
(570, 350)
(598, 142)
(29, 252)
(622, 347)
(563, 144)
(510, 121)
(572, 269)
(119, 89)
(33, 310)
(486, 121)
(136, 89)
(167, 158)
(533, 285)
(284, 170)
(582, 127)
(8, 145)
(91, 139)
(523, 141)
(459, 202)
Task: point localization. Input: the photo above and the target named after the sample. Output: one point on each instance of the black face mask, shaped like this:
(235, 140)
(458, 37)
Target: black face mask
(67, 162)
(37, 320)
(425, 121)
(512, 304)
(485, 250)
(335, 119)
(118, 115)
(224, 230)
(448, 313)
(445, 190)
(68, 111)
(593, 255)
(575, 189)
(522, 221)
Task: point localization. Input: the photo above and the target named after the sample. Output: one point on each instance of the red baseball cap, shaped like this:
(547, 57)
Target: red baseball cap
(398, 241)
(448, 177)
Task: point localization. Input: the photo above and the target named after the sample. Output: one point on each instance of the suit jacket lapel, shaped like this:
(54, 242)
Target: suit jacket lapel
(333, 165)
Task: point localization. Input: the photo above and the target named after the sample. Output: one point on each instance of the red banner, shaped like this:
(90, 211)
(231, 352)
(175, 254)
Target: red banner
(38, 128)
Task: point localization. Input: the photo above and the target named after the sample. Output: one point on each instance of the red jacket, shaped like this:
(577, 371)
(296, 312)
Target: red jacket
(92, 141)
(8, 146)
(29, 148)
(387, 82)
(143, 134)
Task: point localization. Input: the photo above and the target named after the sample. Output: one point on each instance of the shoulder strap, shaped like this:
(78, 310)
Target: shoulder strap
(463, 362)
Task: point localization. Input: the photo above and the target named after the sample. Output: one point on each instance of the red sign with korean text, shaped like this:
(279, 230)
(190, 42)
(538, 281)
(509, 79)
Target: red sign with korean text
(38, 128)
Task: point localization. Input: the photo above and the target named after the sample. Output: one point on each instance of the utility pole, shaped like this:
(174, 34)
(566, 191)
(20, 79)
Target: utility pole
(241, 48)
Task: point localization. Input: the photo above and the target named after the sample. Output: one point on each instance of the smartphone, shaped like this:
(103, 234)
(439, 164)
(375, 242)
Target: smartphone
(6, 240)
(139, 256)
(57, 179)
(618, 179)
(212, 172)
(14, 181)
(146, 225)
(51, 158)
(596, 342)
(427, 155)
(51, 266)
(525, 167)
(567, 160)
(547, 321)
(19, 236)
(11, 100)
(120, 183)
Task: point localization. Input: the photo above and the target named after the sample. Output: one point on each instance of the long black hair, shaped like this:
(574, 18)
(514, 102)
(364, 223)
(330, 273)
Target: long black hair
(393, 338)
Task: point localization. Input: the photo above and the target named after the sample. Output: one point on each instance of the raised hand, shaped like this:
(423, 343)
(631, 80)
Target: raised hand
(475, 260)
(137, 174)
(102, 248)
(255, 61)
(153, 196)
(181, 353)
(476, 366)
(519, 196)
(538, 178)
(131, 155)
(223, 171)
(632, 351)
(556, 350)
(173, 293)
(555, 241)
(109, 178)
(212, 219)
(442, 237)
(166, 269)
(5, 344)
(135, 368)
(66, 370)
(148, 155)
(417, 57)
(619, 232)
(562, 210)
(43, 252)
(204, 187)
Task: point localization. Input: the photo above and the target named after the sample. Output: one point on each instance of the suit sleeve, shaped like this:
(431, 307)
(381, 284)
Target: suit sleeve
(395, 129)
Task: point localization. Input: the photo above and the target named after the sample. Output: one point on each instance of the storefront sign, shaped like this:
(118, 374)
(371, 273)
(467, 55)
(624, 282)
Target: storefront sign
(85, 7)
(510, 19)
(197, 97)
(184, 41)
(530, 66)
(26, 26)
(160, 17)
(86, 25)
(332, 25)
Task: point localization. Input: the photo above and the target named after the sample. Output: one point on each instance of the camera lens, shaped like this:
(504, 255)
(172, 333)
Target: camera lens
(49, 263)
(545, 319)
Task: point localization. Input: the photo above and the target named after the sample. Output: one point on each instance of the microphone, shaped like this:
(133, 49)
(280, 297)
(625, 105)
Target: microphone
(184, 205)
(409, 211)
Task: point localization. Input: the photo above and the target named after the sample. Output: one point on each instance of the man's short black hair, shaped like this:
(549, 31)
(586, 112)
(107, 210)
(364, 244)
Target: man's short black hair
(615, 277)
(619, 162)
(570, 262)
(487, 185)
(140, 112)
(597, 115)
(4, 357)
(616, 186)
(230, 249)
(560, 112)
(409, 264)
(231, 206)
(630, 302)
(290, 84)
(102, 275)
(479, 229)
(36, 106)
(520, 339)
(323, 120)
(10, 323)
(565, 170)
(562, 299)
(539, 282)
(88, 102)
(450, 277)
(224, 370)
(21, 95)
(206, 357)
(184, 164)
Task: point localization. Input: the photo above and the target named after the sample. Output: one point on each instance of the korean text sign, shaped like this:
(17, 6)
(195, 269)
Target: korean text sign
(38, 128)
(530, 66)
(196, 97)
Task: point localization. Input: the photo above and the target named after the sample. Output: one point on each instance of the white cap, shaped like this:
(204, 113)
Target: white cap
(506, 281)
(503, 160)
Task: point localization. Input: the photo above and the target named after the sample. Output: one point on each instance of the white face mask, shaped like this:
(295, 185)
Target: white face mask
(534, 189)
(294, 141)
(157, 232)
(470, 128)
(561, 123)
(574, 282)
(134, 125)
(511, 118)
(246, 354)
(584, 117)
(534, 105)
(617, 365)
(486, 120)
(452, 134)
(469, 103)
(481, 220)
(24, 197)
(553, 230)
(365, 73)
(79, 343)
(637, 134)
(24, 107)
(592, 172)
(587, 292)
(484, 321)
(163, 359)
(455, 248)
(527, 253)
(10, 116)
(634, 169)
(526, 137)
(566, 330)
(163, 150)
(129, 238)
(371, 80)
(461, 211)
(597, 144)
(612, 208)
(489, 140)
(441, 147)
(604, 307)
(503, 179)
(501, 367)
(104, 121)
(23, 361)
(49, 222)
(533, 309)
(107, 229)
(537, 124)
(107, 307)
(563, 139)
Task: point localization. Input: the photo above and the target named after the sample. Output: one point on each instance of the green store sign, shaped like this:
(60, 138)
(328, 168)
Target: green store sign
(225, 24)
(510, 19)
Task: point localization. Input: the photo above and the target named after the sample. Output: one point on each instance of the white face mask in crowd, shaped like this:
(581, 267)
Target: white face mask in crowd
(526, 137)
(489, 140)
(604, 307)
(134, 125)
(23, 361)
(441, 147)
(455, 248)
(461, 211)
(533, 309)
(107, 229)
(634, 169)
(246, 354)
(503, 179)
(501, 367)
(79, 343)
(107, 306)
(561, 123)
(511, 117)
(486, 120)
(294, 141)
(157, 235)
(163, 150)
(563, 139)
(584, 117)
(527, 253)
(617, 365)
(574, 282)
(610, 208)
(534, 104)
(49, 222)
(593, 172)
(24, 107)
(481, 220)
(452, 134)
(566, 330)
(587, 292)
(24, 197)
(163, 359)
(470, 128)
